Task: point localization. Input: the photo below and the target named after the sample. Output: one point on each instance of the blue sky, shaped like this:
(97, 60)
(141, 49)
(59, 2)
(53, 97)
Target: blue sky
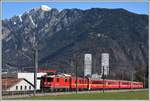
(10, 9)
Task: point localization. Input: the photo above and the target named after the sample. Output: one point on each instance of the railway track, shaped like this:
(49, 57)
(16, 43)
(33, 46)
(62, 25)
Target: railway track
(62, 93)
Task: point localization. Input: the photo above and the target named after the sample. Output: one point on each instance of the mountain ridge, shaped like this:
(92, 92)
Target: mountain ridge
(62, 35)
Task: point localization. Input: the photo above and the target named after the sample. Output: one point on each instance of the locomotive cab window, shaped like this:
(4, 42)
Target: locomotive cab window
(49, 79)
(50, 73)
(66, 80)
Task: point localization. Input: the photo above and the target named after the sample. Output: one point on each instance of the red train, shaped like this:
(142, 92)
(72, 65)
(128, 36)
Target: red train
(69, 83)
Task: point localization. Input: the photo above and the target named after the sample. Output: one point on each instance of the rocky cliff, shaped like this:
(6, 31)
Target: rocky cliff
(63, 37)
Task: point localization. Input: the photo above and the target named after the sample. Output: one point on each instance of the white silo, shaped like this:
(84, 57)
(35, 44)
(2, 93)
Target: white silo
(105, 63)
(87, 64)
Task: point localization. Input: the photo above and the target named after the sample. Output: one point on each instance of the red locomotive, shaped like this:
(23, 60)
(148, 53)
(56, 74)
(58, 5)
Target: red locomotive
(55, 82)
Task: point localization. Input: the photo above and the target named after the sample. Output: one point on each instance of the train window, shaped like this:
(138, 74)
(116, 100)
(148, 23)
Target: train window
(101, 82)
(125, 83)
(94, 82)
(111, 83)
(65, 80)
(135, 84)
(97, 82)
(57, 79)
(49, 79)
(80, 81)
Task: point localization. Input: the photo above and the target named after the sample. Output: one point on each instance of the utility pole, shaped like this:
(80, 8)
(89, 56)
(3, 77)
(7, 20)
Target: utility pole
(122, 74)
(103, 79)
(36, 67)
(35, 49)
(144, 80)
(131, 79)
(6, 78)
(76, 75)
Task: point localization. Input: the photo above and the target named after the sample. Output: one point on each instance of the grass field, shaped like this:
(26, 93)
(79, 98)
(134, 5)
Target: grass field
(95, 96)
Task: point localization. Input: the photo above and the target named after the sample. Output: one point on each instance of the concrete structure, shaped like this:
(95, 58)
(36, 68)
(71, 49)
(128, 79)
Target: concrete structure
(87, 64)
(105, 63)
(16, 85)
(30, 78)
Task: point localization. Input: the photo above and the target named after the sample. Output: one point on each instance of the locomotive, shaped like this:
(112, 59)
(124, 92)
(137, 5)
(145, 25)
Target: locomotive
(71, 83)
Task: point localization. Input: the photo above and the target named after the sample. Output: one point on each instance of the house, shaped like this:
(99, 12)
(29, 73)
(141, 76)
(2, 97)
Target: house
(16, 84)
(30, 78)
(22, 81)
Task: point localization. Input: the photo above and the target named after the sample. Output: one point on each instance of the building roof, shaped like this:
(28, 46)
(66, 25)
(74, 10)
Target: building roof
(9, 82)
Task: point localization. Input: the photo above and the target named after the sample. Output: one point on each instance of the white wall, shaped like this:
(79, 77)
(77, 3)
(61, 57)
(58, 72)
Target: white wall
(22, 83)
(105, 63)
(87, 64)
(30, 78)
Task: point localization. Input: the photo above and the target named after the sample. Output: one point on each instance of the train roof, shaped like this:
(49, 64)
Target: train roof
(74, 77)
